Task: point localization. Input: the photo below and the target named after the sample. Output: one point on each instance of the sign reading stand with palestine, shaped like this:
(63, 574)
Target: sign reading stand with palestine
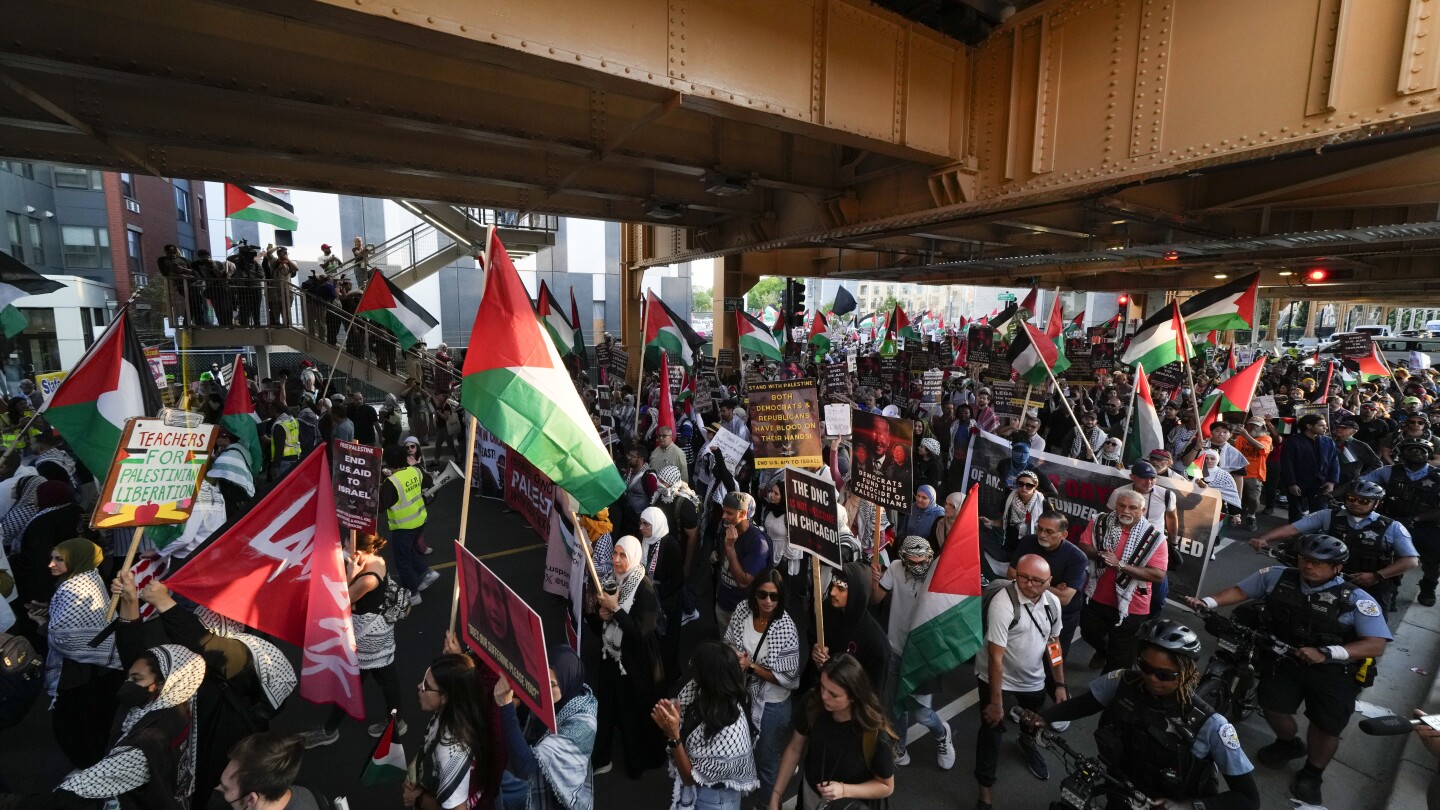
(812, 521)
(785, 424)
(355, 474)
(154, 476)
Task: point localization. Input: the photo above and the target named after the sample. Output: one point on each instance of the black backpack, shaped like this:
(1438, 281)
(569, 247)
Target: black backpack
(21, 678)
(994, 587)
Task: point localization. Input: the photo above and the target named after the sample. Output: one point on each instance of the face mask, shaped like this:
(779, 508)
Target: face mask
(132, 695)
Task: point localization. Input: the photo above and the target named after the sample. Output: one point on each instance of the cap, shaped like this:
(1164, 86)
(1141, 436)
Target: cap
(1162, 454)
(1344, 422)
(1142, 469)
(324, 247)
(1411, 401)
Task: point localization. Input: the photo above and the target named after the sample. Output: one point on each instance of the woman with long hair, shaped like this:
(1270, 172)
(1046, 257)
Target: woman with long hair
(459, 763)
(555, 764)
(770, 513)
(844, 742)
(764, 635)
(707, 732)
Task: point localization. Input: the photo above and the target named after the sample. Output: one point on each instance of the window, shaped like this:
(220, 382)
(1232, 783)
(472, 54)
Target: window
(138, 280)
(12, 228)
(134, 251)
(127, 185)
(98, 315)
(75, 177)
(182, 205)
(85, 248)
(187, 254)
(37, 243)
(25, 170)
(200, 208)
(87, 326)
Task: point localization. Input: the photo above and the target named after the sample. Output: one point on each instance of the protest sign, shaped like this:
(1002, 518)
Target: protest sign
(619, 361)
(1167, 378)
(920, 361)
(811, 519)
(1244, 356)
(1355, 345)
(505, 632)
(1084, 489)
(1008, 398)
(1102, 357)
(894, 373)
(1263, 405)
(677, 379)
(980, 349)
(529, 492)
(880, 467)
(1077, 351)
(153, 479)
(559, 547)
(49, 382)
(930, 391)
(834, 383)
(785, 424)
(942, 354)
(867, 370)
(355, 474)
(157, 370)
(851, 358)
(837, 419)
(602, 355)
(488, 466)
(732, 447)
(725, 358)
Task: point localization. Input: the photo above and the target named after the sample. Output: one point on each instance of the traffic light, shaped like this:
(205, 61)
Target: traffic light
(1122, 299)
(797, 303)
(1317, 275)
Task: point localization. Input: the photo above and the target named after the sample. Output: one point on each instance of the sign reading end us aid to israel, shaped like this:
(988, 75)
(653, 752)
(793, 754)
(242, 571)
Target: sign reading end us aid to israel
(154, 476)
(356, 476)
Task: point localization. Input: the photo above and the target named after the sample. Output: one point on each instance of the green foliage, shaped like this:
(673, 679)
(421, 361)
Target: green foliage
(766, 292)
(702, 300)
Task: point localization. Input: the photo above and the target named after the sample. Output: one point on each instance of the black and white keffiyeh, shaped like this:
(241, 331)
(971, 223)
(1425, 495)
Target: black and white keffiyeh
(1140, 546)
(723, 759)
(77, 615)
(277, 676)
(779, 653)
(625, 595)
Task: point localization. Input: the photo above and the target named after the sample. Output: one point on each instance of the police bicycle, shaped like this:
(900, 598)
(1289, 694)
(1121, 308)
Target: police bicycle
(1229, 683)
(1089, 784)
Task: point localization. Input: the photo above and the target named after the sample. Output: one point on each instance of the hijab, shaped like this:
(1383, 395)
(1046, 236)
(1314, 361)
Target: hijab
(921, 521)
(80, 556)
(659, 529)
(569, 673)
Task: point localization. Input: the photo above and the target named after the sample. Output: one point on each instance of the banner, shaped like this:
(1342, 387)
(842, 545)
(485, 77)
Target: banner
(529, 492)
(880, 467)
(1355, 345)
(980, 348)
(812, 521)
(487, 468)
(49, 382)
(834, 383)
(505, 632)
(1084, 489)
(559, 547)
(355, 473)
(153, 479)
(785, 424)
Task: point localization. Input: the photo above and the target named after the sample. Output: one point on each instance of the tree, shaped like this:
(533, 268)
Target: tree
(766, 292)
(888, 305)
(702, 300)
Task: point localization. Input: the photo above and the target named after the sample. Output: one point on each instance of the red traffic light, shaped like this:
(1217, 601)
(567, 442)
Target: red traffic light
(1122, 299)
(1318, 274)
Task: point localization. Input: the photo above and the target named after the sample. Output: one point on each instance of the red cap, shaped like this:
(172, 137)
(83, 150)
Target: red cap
(324, 247)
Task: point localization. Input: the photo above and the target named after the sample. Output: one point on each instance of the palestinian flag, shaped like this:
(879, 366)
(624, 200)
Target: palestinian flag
(946, 629)
(1229, 306)
(1145, 433)
(1055, 330)
(1032, 354)
(1031, 302)
(1160, 340)
(818, 337)
(666, 410)
(1232, 395)
(239, 419)
(1374, 366)
(577, 346)
(387, 305)
(519, 390)
(111, 383)
(272, 207)
(1229, 370)
(552, 317)
(1077, 323)
(998, 321)
(755, 337)
(16, 282)
(668, 331)
(900, 326)
(387, 762)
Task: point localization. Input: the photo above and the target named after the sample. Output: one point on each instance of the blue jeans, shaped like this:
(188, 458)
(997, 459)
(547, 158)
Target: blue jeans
(901, 711)
(774, 735)
(410, 567)
(708, 798)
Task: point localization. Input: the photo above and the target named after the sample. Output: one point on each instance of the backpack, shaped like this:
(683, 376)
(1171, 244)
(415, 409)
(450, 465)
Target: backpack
(396, 604)
(20, 678)
(994, 587)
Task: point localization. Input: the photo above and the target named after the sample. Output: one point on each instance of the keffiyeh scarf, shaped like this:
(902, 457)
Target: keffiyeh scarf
(613, 634)
(1140, 546)
(779, 653)
(723, 758)
(564, 757)
(77, 614)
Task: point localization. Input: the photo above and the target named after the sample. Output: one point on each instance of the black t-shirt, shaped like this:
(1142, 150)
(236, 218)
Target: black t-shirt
(1068, 566)
(836, 751)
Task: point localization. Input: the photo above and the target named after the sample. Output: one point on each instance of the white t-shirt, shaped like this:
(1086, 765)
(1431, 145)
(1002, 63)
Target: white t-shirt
(769, 692)
(904, 594)
(1026, 659)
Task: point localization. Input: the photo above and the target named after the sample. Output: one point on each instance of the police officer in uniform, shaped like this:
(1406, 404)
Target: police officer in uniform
(1156, 733)
(1412, 497)
(1381, 550)
(403, 499)
(1337, 629)
(284, 441)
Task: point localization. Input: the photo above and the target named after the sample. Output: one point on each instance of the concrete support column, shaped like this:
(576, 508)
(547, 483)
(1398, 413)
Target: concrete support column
(728, 283)
(1269, 325)
(262, 362)
(632, 330)
(1310, 318)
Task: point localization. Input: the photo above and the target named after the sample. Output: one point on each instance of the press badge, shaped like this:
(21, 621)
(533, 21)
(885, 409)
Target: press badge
(1056, 656)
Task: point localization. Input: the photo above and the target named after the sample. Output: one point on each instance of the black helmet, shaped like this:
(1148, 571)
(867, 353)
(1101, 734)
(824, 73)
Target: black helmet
(1322, 547)
(1414, 444)
(1368, 490)
(1170, 636)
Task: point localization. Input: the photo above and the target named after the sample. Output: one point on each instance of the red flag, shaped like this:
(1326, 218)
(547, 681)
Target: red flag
(1056, 325)
(1234, 395)
(962, 351)
(1079, 320)
(1031, 300)
(280, 569)
(958, 569)
(666, 407)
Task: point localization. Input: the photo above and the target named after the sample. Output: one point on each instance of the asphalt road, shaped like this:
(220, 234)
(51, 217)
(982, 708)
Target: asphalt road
(29, 762)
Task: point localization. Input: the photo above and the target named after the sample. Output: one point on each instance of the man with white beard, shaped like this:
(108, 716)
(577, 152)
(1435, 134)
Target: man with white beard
(1128, 557)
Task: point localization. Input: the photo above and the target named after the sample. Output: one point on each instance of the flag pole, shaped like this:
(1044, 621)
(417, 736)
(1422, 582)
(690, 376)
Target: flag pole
(589, 550)
(129, 561)
(640, 376)
(1066, 402)
(819, 602)
(340, 349)
(1130, 412)
(473, 432)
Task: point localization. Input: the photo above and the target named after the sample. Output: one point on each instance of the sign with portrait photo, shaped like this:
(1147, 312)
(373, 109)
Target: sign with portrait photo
(881, 459)
(488, 474)
(505, 632)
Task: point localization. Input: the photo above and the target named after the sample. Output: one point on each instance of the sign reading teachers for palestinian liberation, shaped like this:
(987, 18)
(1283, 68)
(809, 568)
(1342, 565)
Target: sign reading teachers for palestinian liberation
(785, 424)
(154, 476)
(355, 474)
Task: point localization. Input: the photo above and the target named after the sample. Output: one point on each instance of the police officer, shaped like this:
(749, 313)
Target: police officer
(1381, 550)
(1155, 733)
(284, 441)
(1412, 497)
(403, 499)
(1336, 627)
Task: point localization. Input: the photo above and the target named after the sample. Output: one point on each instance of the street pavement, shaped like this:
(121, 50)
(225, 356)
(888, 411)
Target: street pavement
(1358, 780)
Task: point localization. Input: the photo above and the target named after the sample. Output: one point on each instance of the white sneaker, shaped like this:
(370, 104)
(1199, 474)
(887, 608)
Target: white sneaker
(415, 599)
(606, 768)
(428, 580)
(944, 751)
(376, 729)
(902, 758)
(319, 737)
(689, 616)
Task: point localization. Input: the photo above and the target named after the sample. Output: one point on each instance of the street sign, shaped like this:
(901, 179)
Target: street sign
(1007, 297)
(734, 304)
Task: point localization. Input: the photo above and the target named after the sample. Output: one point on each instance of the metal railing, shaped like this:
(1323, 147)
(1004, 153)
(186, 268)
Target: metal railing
(507, 218)
(280, 304)
(399, 253)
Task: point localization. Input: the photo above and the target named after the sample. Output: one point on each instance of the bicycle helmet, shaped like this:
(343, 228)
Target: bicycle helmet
(1414, 444)
(1171, 636)
(1322, 547)
(1368, 490)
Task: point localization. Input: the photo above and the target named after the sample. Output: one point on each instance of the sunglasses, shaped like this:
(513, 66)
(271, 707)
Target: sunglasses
(1355, 499)
(767, 596)
(1156, 672)
(1024, 485)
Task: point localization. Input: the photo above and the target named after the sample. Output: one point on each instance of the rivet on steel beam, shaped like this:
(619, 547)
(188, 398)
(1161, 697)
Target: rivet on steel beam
(395, 11)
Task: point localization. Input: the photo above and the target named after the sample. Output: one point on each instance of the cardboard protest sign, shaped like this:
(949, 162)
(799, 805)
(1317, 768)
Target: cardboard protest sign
(488, 466)
(1355, 345)
(505, 633)
(811, 519)
(837, 419)
(867, 369)
(529, 492)
(153, 479)
(1264, 405)
(732, 447)
(834, 383)
(880, 466)
(355, 474)
(785, 424)
(930, 391)
(619, 360)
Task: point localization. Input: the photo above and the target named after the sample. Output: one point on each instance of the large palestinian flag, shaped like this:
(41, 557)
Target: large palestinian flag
(1032, 355)
(252, 204)
(111, 383)
(16, 282)
(818, 333)
(1160, 340)
(755, 337)
(1233, 395)
(1145, 433)
(670, 332)
(1229, 306)
(518, 388)
(388, 306)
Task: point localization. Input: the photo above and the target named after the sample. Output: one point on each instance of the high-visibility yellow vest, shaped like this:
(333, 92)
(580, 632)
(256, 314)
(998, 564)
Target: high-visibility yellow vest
(409, 511)
(292, 436)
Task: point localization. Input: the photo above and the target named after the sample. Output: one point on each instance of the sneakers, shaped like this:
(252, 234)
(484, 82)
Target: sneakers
(691, 615)
(1277, 753)
(944, 751)
(319, 737)
(376, 729)
(902, 756)
(606, 768)
(415, 599)
(428, 580)
(1305, 787)
(427, 551)
(1035, 760)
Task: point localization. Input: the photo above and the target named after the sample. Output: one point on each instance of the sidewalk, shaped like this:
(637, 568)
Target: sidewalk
(1403, 759)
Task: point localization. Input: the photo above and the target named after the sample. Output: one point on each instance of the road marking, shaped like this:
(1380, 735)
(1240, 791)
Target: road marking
(492, 555)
